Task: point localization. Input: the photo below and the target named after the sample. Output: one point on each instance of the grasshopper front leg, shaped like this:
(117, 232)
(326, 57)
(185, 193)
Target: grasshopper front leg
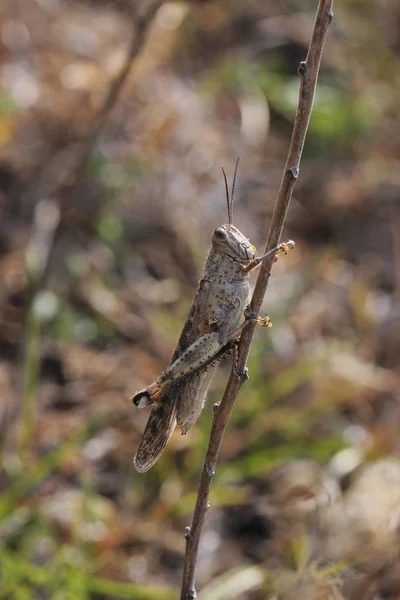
(283, 248)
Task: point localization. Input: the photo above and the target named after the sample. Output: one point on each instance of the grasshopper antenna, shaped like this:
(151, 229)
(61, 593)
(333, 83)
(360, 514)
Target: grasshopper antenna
(227, 198)
(233, 186)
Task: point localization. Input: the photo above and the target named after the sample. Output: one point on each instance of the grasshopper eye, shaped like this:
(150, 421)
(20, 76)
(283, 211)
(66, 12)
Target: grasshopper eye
(220, 235)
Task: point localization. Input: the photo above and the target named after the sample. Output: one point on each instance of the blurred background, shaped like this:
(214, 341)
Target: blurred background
(115, 118)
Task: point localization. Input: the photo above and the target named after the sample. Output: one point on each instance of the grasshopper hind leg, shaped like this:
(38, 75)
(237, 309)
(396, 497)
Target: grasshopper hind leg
(196, 357)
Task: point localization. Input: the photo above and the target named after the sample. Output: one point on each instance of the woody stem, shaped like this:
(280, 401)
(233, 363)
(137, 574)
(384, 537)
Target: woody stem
(308, 72)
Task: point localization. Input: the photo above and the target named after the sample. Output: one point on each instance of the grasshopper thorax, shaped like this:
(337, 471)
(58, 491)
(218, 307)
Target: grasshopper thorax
(230, 241)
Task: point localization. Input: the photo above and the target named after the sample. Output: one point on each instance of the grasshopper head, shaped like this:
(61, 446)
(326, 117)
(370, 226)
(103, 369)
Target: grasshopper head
(231, 241)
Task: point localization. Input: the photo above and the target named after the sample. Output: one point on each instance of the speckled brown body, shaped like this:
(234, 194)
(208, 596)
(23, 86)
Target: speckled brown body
(214, 320)
(223, 305)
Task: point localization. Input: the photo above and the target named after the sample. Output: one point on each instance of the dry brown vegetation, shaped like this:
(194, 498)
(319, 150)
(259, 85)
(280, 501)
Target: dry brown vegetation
(104, 225)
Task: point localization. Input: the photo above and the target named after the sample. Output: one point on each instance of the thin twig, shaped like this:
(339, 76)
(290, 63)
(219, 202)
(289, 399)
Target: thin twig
(66, 166)
(52, 182)
(308, 72)
(53, 177)
(141, 29)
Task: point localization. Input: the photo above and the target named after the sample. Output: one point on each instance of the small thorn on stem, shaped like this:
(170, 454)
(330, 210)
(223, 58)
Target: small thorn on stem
(302, 67)
(192, 594)
(243, 375)
(294, 171)
(216, 407)
(188, 534)
(249, 314)
(210, 471)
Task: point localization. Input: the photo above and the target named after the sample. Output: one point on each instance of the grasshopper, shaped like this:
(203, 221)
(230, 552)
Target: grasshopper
(215, 320)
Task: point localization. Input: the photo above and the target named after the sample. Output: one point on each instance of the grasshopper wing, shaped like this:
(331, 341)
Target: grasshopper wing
(159, 428)
(180, 401)
(162, 419)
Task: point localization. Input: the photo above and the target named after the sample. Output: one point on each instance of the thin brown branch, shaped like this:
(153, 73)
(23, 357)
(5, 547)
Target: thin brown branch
(141, 29)
(53, 180)
(63, 168)
(308, 72)
(70, 162)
